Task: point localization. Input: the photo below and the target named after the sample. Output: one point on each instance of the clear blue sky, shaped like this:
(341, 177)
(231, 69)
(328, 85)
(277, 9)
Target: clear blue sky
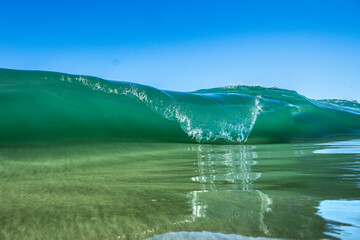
(309, 46)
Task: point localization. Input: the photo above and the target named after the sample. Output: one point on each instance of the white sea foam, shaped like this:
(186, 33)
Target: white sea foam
(197, 121)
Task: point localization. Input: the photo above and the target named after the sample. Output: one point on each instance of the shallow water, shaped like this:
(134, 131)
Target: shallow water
(95, 190)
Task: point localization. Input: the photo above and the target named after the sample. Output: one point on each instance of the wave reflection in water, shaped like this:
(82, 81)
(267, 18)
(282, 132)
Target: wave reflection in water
(136, 191)
(272, 191)
(225, 172)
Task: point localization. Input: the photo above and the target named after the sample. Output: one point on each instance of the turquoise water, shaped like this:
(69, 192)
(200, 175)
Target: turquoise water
(37, 105)
(86, 158)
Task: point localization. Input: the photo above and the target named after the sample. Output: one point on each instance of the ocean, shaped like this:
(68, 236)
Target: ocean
(87, 158)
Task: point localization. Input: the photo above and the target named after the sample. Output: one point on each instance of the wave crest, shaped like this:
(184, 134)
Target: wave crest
(48, 105)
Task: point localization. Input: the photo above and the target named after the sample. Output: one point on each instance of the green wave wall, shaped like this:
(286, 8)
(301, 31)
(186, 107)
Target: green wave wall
(42, 106)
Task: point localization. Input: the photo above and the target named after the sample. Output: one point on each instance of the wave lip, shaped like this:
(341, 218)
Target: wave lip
(36, 105)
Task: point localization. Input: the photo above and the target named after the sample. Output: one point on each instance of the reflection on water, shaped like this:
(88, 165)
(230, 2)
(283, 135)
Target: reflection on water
(226, 169)
(341, 147)
(283, 191)
(343, 223)
(343, 216)
(141, 190)
(230, 165)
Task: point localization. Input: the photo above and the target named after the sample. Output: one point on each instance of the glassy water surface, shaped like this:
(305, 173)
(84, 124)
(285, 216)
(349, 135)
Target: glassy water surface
(180, 191)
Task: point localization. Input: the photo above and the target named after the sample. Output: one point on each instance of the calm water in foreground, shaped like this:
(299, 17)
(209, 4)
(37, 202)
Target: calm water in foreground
(189, 191)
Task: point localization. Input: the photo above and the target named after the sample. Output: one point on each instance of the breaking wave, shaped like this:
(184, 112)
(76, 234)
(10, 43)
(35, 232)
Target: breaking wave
(37, 105)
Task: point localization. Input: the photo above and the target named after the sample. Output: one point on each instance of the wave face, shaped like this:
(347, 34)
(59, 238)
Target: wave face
(37, 105)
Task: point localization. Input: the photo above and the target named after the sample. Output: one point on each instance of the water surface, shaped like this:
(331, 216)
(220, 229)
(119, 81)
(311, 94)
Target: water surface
(118, 190)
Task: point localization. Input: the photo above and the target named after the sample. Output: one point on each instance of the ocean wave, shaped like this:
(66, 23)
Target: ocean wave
(37, 105)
